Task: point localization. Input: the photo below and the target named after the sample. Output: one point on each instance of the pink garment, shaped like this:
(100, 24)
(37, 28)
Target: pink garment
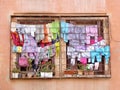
(92, 41)
(23, 62)
(83, 60)
(91, 31)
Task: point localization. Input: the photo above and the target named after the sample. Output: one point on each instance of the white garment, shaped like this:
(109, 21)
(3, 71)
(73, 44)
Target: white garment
(39, 33)
(85, 54)
(96, 65)
(13, 26)
(73, 61)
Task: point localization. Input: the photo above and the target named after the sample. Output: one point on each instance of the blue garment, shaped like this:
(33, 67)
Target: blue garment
(64, 30)
(107, 53)
(94, 54)
(104, 51)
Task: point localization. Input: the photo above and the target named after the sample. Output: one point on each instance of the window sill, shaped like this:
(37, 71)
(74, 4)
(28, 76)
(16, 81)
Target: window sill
(66, 77)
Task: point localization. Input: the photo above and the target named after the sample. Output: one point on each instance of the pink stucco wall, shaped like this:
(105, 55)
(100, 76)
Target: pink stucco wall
(8, 7)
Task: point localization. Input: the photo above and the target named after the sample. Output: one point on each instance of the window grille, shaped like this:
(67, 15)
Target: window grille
(59, 47)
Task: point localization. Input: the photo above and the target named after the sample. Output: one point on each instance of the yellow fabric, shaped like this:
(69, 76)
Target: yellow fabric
(57, 45)
(19, 49)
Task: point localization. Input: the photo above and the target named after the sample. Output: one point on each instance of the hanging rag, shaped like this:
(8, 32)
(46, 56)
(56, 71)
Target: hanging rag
(29, 45)
(96, 66)
(46, 37)
(64, 31)
(54, 29)
(39, 34)
(57, 45)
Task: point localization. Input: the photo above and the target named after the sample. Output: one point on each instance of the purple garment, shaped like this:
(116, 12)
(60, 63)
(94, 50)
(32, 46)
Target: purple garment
(30, 44)
(80, 48)
(74, 43)
(71, 36)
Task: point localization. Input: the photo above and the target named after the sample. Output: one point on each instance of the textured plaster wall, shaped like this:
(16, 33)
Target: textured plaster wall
(8, 7)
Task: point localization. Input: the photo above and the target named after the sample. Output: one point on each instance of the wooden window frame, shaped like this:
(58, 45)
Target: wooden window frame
(63, 16)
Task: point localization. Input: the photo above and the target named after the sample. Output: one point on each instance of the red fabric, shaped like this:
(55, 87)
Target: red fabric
(16, 39)
(45, 44)
(45, 40)
(100, 38)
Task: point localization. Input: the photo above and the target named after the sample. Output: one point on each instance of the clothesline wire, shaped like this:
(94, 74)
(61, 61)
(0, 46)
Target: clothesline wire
(110, 33)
